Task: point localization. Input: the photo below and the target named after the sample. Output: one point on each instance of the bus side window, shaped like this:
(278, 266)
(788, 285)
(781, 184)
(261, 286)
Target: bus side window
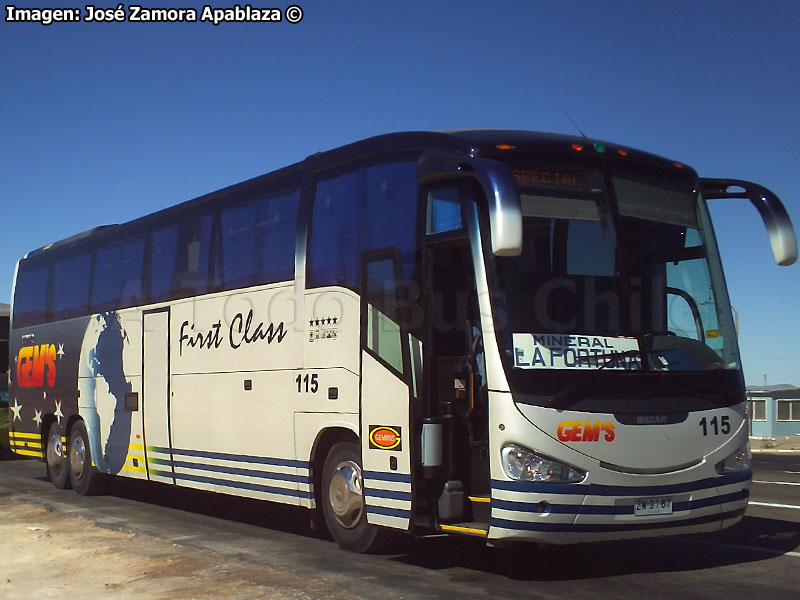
(258, 240)
(193, 257)
(117, 279)
(383, 332)
(30, 300)
(360, 211)
(71, 286)
(444, 210)
(163, 250)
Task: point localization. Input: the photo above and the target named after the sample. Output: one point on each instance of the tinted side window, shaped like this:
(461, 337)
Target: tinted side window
(367, 209)
(333, 249)
(383, 332)
(193, 260)
(163, 250)
(444, 210)
(389, 216)
(117, 279)
(71, 286)
(30, 298)
(258, 240)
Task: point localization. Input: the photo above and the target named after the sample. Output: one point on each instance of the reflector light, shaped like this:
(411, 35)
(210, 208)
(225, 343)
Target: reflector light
(504, 147)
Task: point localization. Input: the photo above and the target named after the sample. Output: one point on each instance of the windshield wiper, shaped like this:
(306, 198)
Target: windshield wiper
(560, 400)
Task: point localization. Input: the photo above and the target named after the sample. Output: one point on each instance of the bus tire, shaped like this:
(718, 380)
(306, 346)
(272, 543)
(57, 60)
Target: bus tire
(86, 479)
(56, 458)
(343, 500)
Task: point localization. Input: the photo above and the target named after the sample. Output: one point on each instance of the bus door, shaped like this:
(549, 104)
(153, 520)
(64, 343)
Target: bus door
(386, 390)
(454, 373)
(155, 396)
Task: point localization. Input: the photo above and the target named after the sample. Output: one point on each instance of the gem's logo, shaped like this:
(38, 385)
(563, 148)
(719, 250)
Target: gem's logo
(35, 364)
(586, 431)
(385, 438)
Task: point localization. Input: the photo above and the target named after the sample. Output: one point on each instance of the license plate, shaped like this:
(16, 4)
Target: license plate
(652, 506)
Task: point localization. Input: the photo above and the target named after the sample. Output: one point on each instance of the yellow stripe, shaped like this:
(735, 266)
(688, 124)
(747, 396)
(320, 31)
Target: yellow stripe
(480, 499)
(461, 529)
(26, 444)
(29, 453)
(139, 447)
(24, 436)
(134, 469)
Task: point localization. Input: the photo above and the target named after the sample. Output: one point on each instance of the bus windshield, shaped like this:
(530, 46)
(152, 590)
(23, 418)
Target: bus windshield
(618, 272)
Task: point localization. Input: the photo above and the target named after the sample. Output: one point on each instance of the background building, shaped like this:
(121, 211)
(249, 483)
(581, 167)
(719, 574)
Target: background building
(774, 410)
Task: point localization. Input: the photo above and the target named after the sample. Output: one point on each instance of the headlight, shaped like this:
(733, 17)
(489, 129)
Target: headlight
(736, 462)
(523, 464)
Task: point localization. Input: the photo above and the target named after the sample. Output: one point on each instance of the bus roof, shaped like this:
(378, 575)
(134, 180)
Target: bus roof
(488, 143)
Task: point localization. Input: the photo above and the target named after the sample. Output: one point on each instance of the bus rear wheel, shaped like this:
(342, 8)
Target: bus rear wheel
(85, 478)
(343, 500)
(56, 458)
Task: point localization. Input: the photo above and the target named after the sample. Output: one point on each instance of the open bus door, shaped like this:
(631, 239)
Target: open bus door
(456, 394)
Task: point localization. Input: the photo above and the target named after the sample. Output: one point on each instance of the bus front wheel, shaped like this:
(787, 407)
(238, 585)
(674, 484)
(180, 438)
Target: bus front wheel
(85, 478)
(343, 500)
(56, 458)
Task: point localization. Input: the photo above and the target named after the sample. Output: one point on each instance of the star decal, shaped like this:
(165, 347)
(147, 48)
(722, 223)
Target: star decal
(37, 417)
(60, 353)
(16, 409)
(58, 413)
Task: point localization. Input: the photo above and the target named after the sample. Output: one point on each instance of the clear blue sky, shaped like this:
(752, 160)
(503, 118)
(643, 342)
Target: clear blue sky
(102, 123)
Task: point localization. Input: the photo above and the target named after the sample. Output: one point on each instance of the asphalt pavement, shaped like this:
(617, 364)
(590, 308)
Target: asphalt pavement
(758, 556)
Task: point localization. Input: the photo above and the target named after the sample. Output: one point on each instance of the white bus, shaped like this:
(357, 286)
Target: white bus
(506, 334)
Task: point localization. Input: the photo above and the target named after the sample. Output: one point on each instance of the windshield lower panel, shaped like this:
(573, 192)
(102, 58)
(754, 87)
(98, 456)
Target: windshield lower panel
(618, 282)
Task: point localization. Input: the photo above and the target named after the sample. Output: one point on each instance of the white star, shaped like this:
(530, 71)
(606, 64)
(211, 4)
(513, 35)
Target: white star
(60, 352)
(59, 414)
(16, 409)
(37, 417)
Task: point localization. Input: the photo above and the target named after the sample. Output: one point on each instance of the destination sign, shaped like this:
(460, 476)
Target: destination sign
(551, 177)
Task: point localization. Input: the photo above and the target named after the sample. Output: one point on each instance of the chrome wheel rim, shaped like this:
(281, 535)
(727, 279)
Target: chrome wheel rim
(346, 494)
(77, 457)
(55, 453)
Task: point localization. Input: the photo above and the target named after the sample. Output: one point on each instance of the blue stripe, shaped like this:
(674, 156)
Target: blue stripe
(381, 476)
(609, 527)
(388, 512)
(245, 472)
(619, 490)
(391, 494)
(261, 460)
(621, 509)
(243, 485)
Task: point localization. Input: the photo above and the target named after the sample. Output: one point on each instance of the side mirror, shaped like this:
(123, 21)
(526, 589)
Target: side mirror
(769, 206)
(499, 187)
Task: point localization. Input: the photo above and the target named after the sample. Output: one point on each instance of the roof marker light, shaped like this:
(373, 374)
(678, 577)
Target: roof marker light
(622, 152)
(600, 148)
(504, 147)
(577, 147)
(679, 165)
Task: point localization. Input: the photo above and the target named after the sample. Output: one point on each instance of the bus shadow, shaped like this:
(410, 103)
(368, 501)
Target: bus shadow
(753, 539)
(267, 515)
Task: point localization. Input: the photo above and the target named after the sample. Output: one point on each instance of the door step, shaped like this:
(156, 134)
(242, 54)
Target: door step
(477, 529)
(481, 508)
(481, 511)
